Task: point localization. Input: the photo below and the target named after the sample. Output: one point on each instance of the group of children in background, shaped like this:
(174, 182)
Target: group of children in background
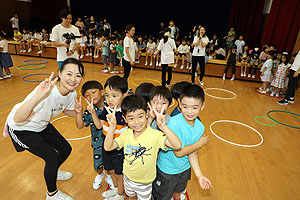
(30, 38)
(133, 139)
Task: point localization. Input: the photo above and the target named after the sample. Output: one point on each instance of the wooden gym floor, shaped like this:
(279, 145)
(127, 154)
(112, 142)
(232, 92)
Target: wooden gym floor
(269, 171)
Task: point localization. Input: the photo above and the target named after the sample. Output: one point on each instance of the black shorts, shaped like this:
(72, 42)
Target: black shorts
(143, 50)
(182, 54)
(113, 160)
(165, 185)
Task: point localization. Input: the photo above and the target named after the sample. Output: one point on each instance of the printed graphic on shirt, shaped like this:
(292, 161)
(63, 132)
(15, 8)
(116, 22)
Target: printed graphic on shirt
(55, 111)
(136, 152)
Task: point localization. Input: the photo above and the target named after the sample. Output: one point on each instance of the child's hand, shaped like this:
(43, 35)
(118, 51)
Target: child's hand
(160, 117)
(46, 86)
(204, 183)
(78, 105)
(204, 140)
(151, 113)
(90, 106)
(111, 117)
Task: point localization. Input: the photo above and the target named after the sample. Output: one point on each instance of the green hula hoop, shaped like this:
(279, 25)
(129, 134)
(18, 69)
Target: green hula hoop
(263, 123)
(281, 122)
(20, 67)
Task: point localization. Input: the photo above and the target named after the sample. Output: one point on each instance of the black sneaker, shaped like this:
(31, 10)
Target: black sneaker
(291, 100)
(283, 102)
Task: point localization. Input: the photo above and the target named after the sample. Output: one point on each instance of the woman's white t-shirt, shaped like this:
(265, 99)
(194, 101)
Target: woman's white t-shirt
(199, 50)
(128, 42)
(167, 51)
(53, 105)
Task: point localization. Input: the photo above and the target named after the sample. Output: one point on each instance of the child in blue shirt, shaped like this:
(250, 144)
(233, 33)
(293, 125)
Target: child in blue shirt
(174, 172)
(92, 91)
(266, 71)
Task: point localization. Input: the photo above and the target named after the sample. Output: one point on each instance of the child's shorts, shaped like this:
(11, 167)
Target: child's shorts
(266, 78)
(150, 50)
(182, 54)
(97, 145)
(113, 160)
(82, 45)
(104, 59)
(165, 185)
(142, 191)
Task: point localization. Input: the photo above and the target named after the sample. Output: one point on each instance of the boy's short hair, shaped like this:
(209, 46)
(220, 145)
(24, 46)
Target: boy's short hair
(15, 28)
(117, 83)
(64, 13)
(271, 53)
(177, 88)
(194, 91)
(143, 90)
(132, 103)
(160, 91)
(90, 85)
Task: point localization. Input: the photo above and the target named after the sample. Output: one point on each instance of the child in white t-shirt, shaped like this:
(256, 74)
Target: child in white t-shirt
(151, 46)
(182, 50)
(97, 45)
(82, 44)
(24, 40)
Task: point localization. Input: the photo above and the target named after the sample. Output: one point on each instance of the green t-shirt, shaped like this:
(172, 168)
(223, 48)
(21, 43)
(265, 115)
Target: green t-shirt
(121, 50)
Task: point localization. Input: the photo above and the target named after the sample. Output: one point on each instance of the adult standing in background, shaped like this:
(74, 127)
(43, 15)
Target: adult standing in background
(166, 46)
(15, 21)
(128, 60)
(200, 42)
(58, 37)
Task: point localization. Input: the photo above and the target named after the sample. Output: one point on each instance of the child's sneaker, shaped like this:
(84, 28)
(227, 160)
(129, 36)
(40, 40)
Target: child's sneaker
(59, 196)
(253, 76)
(146, 63)
(87, 54)
(21, 50)
(109, 181)
(159, 63)
(232, 79)
(277, 94)
(263, 92)
(98, 180)
(110, 193)
(182, 66)
(201, 83)
(249, 75)
(81, 56)
(175, 65)
(150, 64)
(272, 94)
(62, 175)
(156, 63)
(224, 77)
(29, 50)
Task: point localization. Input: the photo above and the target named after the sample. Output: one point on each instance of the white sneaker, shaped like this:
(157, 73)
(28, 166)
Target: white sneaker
(272, 94)
(182, 66)
(81, 56)
(112, 72)
(91, 54)
(201, 83)
(157, 63)
(98, 180)
(244, 74)
(21, 50)
(150, 64)
(29, 50)
(62, 175)
(224, 77)
(109, 181)
(175, 65)
(232, 79)
(253, 76)
(87, 54)
(277, 94)
(263, 92)
(110, 193)
(146, 63)
(249, 75)
(59, 196)
(39, 52)
(182, 196)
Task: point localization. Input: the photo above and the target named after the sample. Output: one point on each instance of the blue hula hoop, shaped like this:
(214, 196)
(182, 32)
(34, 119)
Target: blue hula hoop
(28, 62)
(23, 78)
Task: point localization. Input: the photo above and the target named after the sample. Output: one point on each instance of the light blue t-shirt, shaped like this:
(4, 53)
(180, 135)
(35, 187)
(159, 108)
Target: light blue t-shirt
(268, 64)
(168, 162)
(105, 50)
